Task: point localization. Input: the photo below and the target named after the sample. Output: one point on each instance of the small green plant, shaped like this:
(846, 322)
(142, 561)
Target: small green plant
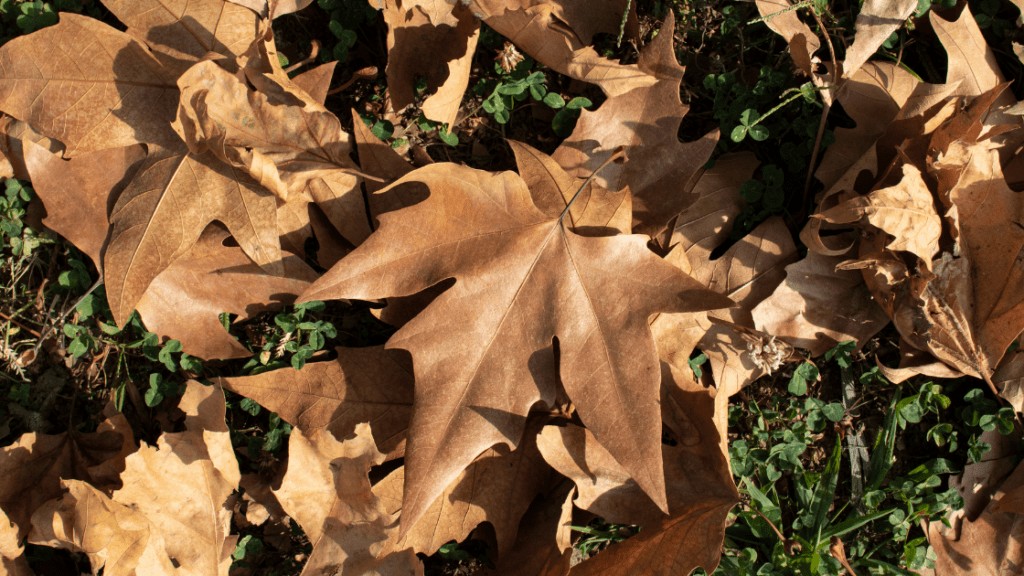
(298, 337)
(21, 239)
(345, 19)
(521, 83)
(598, 534)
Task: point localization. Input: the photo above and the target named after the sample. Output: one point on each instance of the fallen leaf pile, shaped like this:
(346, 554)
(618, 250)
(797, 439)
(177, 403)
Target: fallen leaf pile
(549, 375)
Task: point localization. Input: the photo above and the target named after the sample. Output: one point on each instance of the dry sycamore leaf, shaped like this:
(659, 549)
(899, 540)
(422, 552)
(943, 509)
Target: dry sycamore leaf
(182, 485)
(13, 134)
(536, 553)
(274, 8)
(496, 488)
(32, 467)
(171, 510)
(905, 211)
(12, 561)
(434, 41)
(116, 537)
(971, 62)
(511, 264)
(327, 491)
(989, 545)
(593, 211)
(281, 144)
(363, 385)
(700, 491)
(87, 85)
(187, 30)
(163, 212)
(970, 312)
(660, 170)
(316, 82)
(1009, 379)
(747, 273)
(184, 302)
(876, 21)
(818, 306)
(80, 190)
(872, 97)
(557, 33)
(706, 223)
(782, 19)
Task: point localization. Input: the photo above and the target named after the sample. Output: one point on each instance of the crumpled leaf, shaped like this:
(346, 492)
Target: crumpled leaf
(116, 537)
(163, 212)
(876, 21)
(505, 358)
(281, 144)
(363, 385)
(175, 492)
(32, 467)
(782, 19)
(556, 33)
(185, 301)
(326, 490)
(659, 169)
(818, 306)
(1009, 379)
(965, 314)
(87, 85)
(187, 30)
(434, 41)
(700, 491)
(496, 488)
(905, 211)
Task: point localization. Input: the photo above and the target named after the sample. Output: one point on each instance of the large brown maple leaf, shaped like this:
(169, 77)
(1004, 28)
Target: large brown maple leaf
(484, 351)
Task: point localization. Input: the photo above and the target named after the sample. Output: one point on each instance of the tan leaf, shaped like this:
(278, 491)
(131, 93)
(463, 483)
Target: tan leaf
(557, 32)
(187, 30)
(116, 537)
(967, 315)
(817, 306)
(594, 211)
(163, 212)
(434, 41)
(280, 7)
(905, 211)
(185, 301)
(317, 81)
(971, 62)
(659, 169)
(876, 21)
(326, 490)
(784, 20)
(363, 385)
(32, 467)
(1009, 378)
(536, 553)
(990, 544)
(700, 490)
(747, 273)
(706, 223)
(115, 94)
(496, 488)
(281, 144)
(505, 361)
(77, 193)
(182, 485)
(872, 97)
(13, 134)
(12, 561)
